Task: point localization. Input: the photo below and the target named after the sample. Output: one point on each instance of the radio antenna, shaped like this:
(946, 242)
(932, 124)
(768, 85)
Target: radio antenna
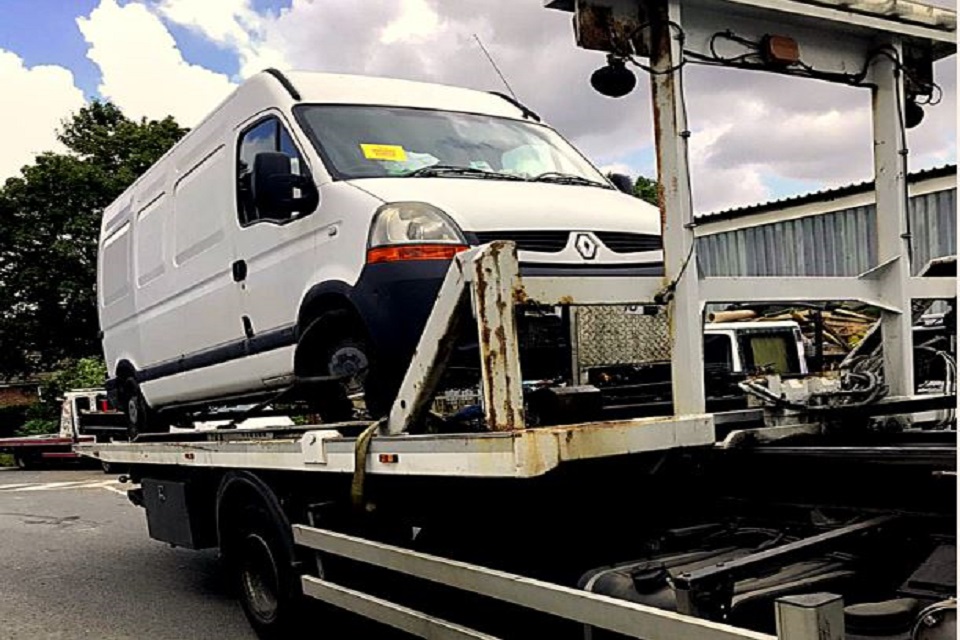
(495, 67)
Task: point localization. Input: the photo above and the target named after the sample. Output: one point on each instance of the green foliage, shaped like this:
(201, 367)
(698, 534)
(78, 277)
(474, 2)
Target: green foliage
(646, 189)
(44, 417)
(84, 373)
(38, 427)
(48, 239)
(41, 417)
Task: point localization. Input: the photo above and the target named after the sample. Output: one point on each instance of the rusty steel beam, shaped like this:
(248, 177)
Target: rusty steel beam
(495, 291)
(671, 134)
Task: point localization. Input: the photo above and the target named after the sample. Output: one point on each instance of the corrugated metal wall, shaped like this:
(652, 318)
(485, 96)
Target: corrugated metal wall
(840, 243)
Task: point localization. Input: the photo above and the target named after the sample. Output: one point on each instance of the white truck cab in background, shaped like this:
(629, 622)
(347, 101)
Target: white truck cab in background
(750, 347)
(304, 227)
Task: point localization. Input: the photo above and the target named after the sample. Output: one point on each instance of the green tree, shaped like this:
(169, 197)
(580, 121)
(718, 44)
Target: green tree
(646, 189)
(48, 238)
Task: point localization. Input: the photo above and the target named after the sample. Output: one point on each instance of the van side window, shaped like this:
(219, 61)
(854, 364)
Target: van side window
(267, 135)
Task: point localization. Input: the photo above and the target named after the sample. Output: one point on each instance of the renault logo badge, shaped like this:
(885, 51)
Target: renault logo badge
(586, 246)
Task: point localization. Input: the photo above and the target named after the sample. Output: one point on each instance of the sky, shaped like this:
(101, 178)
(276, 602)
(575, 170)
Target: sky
(755, 136)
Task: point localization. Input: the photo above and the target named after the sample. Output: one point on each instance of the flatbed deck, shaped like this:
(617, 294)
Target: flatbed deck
(523, 453)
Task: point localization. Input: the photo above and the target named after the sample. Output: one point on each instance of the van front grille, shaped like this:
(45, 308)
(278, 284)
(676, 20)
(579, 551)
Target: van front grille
(541, 241)
(555, 241)
(629, 242)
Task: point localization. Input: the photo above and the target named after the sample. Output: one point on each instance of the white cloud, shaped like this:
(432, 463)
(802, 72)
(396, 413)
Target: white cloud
(35, 101)
(616, 167)
(142, 71)
(717, 186)
(228, 23)
(416, 22)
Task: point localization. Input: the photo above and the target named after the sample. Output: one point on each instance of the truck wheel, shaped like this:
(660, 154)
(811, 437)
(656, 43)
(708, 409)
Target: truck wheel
(24, 462)
(268, 586)
(334, 345)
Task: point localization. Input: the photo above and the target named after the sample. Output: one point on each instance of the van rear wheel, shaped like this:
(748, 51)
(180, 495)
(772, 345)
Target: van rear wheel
(140, 417)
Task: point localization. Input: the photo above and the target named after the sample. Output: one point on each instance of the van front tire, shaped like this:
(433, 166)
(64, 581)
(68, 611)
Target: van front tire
(336, 345)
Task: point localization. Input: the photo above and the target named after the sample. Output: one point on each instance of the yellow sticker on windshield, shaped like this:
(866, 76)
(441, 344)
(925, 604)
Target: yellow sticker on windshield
(390, 152)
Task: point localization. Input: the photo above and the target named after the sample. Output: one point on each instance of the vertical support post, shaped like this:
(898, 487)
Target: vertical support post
(676, 207)
(814, 616)
(893, 240)
(496, 280)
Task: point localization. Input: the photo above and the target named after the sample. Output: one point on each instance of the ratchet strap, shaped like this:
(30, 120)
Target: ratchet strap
(360, 452)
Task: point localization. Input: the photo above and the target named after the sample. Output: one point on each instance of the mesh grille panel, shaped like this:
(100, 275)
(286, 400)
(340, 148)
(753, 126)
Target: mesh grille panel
(609, 335)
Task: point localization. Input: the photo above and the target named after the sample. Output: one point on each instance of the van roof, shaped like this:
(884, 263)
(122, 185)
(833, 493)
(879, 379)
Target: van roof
(335, 88)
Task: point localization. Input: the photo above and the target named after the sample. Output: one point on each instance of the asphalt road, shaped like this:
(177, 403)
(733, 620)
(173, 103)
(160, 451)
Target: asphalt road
(76, 562)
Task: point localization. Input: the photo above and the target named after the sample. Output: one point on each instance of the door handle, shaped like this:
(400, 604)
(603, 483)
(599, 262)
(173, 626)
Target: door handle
(239, 268)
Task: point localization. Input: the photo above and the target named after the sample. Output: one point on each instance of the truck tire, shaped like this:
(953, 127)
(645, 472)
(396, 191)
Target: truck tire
(256, 543)
(25, 462)
(268, 587)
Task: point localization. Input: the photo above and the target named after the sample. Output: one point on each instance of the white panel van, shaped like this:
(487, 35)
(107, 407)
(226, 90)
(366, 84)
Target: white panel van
(304, 227)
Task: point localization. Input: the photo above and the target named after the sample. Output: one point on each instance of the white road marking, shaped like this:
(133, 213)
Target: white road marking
(110, 485)
(45, 486)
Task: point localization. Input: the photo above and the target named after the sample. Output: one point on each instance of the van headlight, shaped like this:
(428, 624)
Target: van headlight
(413, 231)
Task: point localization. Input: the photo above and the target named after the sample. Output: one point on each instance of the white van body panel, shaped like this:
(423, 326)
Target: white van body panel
(519, 206)
(166, 288)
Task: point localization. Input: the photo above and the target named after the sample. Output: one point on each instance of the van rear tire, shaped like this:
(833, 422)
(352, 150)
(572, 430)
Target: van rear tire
(140, 417)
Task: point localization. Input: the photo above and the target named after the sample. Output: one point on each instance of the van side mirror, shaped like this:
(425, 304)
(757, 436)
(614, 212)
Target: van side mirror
(622, 182)
(278, 192)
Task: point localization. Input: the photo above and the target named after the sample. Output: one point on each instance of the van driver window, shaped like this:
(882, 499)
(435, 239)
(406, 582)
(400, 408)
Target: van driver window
(267, 135)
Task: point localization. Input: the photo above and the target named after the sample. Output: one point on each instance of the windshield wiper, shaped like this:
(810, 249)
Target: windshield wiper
(567, 178)
(441, 170)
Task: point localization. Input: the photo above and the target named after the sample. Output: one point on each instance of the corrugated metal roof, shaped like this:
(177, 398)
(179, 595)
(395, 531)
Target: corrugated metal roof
(825, 195)
(834, 243)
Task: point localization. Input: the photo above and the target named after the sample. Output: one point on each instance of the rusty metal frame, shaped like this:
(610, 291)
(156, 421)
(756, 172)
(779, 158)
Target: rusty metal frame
(486, 281)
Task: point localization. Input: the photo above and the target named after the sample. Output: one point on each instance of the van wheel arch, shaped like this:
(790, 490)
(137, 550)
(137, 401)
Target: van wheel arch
(328, 296)
(125, 369)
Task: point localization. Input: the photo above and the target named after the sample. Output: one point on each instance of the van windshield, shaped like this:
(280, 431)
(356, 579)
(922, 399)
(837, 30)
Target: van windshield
(378, 141)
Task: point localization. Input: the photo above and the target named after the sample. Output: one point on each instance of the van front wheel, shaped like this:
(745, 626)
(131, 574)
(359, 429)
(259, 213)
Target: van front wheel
(337, 346)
